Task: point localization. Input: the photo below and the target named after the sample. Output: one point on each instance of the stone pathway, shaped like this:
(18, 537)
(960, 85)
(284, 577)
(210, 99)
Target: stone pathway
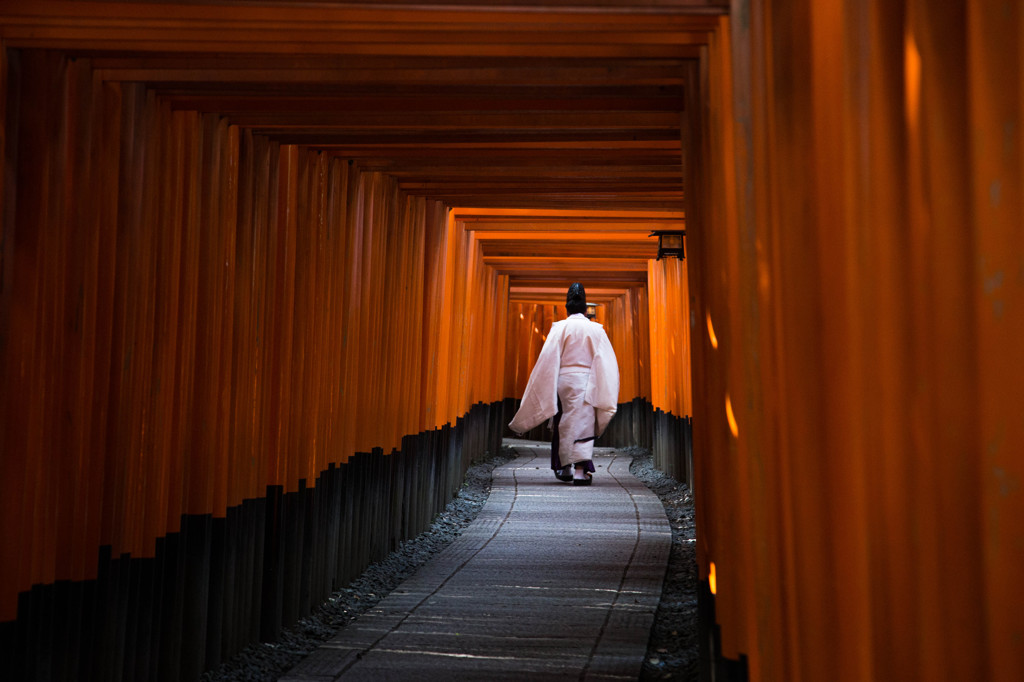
(551, 581)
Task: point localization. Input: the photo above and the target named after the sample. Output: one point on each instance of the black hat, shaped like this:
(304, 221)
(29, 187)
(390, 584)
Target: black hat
(576, 299)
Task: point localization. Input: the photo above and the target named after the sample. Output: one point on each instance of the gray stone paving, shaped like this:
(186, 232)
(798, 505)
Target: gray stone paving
(550, 582)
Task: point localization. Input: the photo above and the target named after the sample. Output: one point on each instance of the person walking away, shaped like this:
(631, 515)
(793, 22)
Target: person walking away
(576, 378)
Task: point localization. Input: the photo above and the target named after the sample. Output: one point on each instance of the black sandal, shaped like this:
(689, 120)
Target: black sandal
(584, 481)
(564, 474)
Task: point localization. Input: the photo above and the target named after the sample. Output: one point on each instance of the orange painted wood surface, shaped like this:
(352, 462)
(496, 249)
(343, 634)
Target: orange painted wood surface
(851, 179)
(857, 429)
(625, 321)
(668, 327)
(192, 313)
(528, 326)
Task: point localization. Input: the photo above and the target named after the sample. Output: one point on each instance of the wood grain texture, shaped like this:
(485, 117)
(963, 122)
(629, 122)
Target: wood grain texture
(226, 249)
(194, 313)
(856, 413)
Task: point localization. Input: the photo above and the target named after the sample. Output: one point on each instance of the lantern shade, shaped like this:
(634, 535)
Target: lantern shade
(670, 243)
(591, 310)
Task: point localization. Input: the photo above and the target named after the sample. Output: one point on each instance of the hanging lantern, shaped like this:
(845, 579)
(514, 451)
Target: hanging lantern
(670, 243)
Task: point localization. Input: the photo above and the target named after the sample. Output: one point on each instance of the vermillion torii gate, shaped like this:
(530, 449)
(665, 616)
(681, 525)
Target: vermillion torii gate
(228, 267)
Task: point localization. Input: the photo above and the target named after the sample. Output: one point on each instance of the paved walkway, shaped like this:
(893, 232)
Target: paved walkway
(550, 581)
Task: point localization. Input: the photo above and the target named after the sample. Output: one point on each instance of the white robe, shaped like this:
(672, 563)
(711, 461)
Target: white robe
(577, 363)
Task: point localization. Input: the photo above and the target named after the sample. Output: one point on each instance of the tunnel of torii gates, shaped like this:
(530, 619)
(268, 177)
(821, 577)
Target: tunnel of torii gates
(272, 274)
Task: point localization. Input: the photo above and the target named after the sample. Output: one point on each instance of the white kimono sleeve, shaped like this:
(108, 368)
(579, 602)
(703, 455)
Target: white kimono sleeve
(603, 384)
(540, 399)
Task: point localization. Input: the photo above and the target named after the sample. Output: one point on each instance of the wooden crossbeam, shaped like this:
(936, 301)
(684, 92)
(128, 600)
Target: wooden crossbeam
(555, 131)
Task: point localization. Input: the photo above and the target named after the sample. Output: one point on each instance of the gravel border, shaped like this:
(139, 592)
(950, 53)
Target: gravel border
(672, 649)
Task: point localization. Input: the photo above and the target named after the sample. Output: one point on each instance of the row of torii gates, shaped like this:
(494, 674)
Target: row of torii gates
(269, 268)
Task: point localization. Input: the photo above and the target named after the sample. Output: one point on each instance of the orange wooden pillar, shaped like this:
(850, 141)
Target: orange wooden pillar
(995, 101)
(528, 325)
(627, 328)
(198, 329)
(856, 366)
(669, 367)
